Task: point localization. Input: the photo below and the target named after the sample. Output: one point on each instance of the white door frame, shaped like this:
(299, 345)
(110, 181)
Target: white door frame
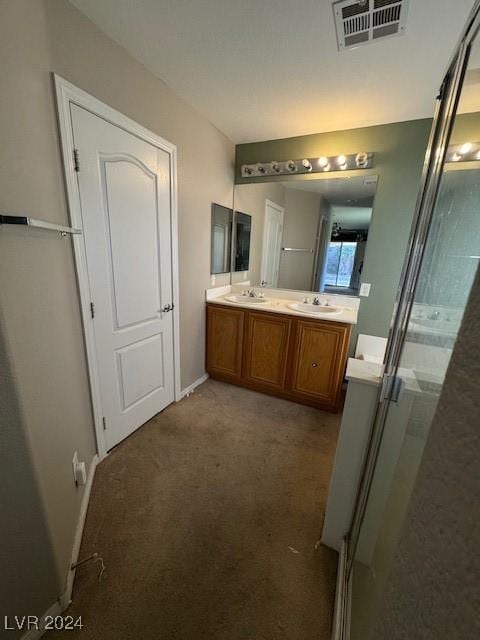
(67, 93)
(281, 211)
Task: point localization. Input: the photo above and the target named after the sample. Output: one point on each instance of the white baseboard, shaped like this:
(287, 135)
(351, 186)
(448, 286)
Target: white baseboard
(65, 599)
(55, 610)
(193, 386)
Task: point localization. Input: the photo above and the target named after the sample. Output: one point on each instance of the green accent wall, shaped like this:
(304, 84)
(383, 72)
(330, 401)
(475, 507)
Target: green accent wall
(399, 154)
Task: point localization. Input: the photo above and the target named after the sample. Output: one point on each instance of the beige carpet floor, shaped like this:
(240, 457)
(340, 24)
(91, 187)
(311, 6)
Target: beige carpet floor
(207, 518)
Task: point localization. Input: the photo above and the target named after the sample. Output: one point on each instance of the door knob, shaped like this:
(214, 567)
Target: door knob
(314, 364)
(166, 308)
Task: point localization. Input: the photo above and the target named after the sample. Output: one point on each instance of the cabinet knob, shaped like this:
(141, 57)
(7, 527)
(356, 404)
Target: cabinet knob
(314, 364)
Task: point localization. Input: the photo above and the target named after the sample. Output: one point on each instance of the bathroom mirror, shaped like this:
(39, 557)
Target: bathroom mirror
(307, 235)
(221, 239)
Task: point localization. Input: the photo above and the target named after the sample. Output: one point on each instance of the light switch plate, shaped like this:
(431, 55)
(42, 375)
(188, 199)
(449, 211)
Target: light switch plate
(365, 289)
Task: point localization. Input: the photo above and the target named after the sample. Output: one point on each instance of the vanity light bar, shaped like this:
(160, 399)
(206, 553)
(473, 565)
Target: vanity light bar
(465, 152)
(362, 160)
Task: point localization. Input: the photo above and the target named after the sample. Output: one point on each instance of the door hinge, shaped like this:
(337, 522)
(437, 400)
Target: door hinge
(76, 160)
(392, 387)
(92, 309)
(386, 386)
(104, 422)
(397, 388)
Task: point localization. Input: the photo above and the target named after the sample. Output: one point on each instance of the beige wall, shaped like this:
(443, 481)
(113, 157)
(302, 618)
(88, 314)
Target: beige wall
(300, 227)
(205, 156)
(41, 319)
(28, 578)
(250, 198)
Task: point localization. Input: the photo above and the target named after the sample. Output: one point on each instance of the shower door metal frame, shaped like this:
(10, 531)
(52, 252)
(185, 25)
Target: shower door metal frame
(442, 125)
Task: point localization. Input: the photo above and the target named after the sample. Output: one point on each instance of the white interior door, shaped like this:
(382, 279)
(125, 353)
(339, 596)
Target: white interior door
(272, 241)
(124, 185)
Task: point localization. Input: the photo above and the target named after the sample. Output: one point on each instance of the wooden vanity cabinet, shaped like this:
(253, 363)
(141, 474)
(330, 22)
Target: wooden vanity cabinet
(291, 357)
(319, 353)
(267, 338)
(225, 342)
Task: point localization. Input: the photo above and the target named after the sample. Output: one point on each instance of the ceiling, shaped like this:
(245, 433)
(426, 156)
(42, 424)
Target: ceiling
(352, 217)
(470, 96)
(265, 69)
(347, 192)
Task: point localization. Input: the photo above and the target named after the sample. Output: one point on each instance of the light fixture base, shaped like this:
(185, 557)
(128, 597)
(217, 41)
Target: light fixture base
(321, 164)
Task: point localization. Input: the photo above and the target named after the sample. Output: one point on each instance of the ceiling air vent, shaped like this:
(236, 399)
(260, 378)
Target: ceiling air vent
(362, 21)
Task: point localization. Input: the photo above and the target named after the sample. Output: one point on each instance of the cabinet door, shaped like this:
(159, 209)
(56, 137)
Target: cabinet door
(225, 341)
(319, 356)
(266, 350)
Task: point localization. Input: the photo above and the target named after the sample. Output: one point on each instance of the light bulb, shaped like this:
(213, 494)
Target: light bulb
(327, 167)
(341, 160)
(361, 159)
(343, 166)
(306, 164)
(323, 162)
(291, 166)
(456, 157)
(466, 148)
(276, 167)
(478, 155)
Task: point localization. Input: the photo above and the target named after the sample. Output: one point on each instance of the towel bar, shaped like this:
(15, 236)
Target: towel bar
(26, 221)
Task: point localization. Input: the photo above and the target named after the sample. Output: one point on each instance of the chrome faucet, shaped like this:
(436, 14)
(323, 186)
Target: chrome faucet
(316, 301)
(251, 293)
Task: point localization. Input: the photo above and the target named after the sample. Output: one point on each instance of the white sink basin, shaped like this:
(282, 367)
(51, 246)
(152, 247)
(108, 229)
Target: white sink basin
(304, 307)
(245, 300)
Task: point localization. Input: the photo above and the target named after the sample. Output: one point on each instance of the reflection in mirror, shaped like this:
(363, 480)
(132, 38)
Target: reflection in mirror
(308, 235)
(243, 226)
(221, 239)
(454, 252)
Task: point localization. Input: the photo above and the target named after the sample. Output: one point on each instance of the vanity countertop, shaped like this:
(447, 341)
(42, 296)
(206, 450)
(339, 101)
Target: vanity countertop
(347, 315)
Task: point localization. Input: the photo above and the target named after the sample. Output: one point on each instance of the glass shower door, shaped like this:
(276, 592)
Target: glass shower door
(449, 258)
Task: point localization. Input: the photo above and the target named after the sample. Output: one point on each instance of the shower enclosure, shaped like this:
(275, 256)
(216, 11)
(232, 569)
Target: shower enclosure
(441, 264)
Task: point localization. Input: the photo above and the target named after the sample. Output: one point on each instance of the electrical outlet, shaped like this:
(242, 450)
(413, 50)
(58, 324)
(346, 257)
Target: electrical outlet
(365, 289)
(81, 474)
(79, 471)
(74, 466)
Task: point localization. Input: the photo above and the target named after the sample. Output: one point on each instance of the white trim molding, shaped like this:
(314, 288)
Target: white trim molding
(191, 388)
(67, 94)
(55, 610)
(65, 599)
(343, 597)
